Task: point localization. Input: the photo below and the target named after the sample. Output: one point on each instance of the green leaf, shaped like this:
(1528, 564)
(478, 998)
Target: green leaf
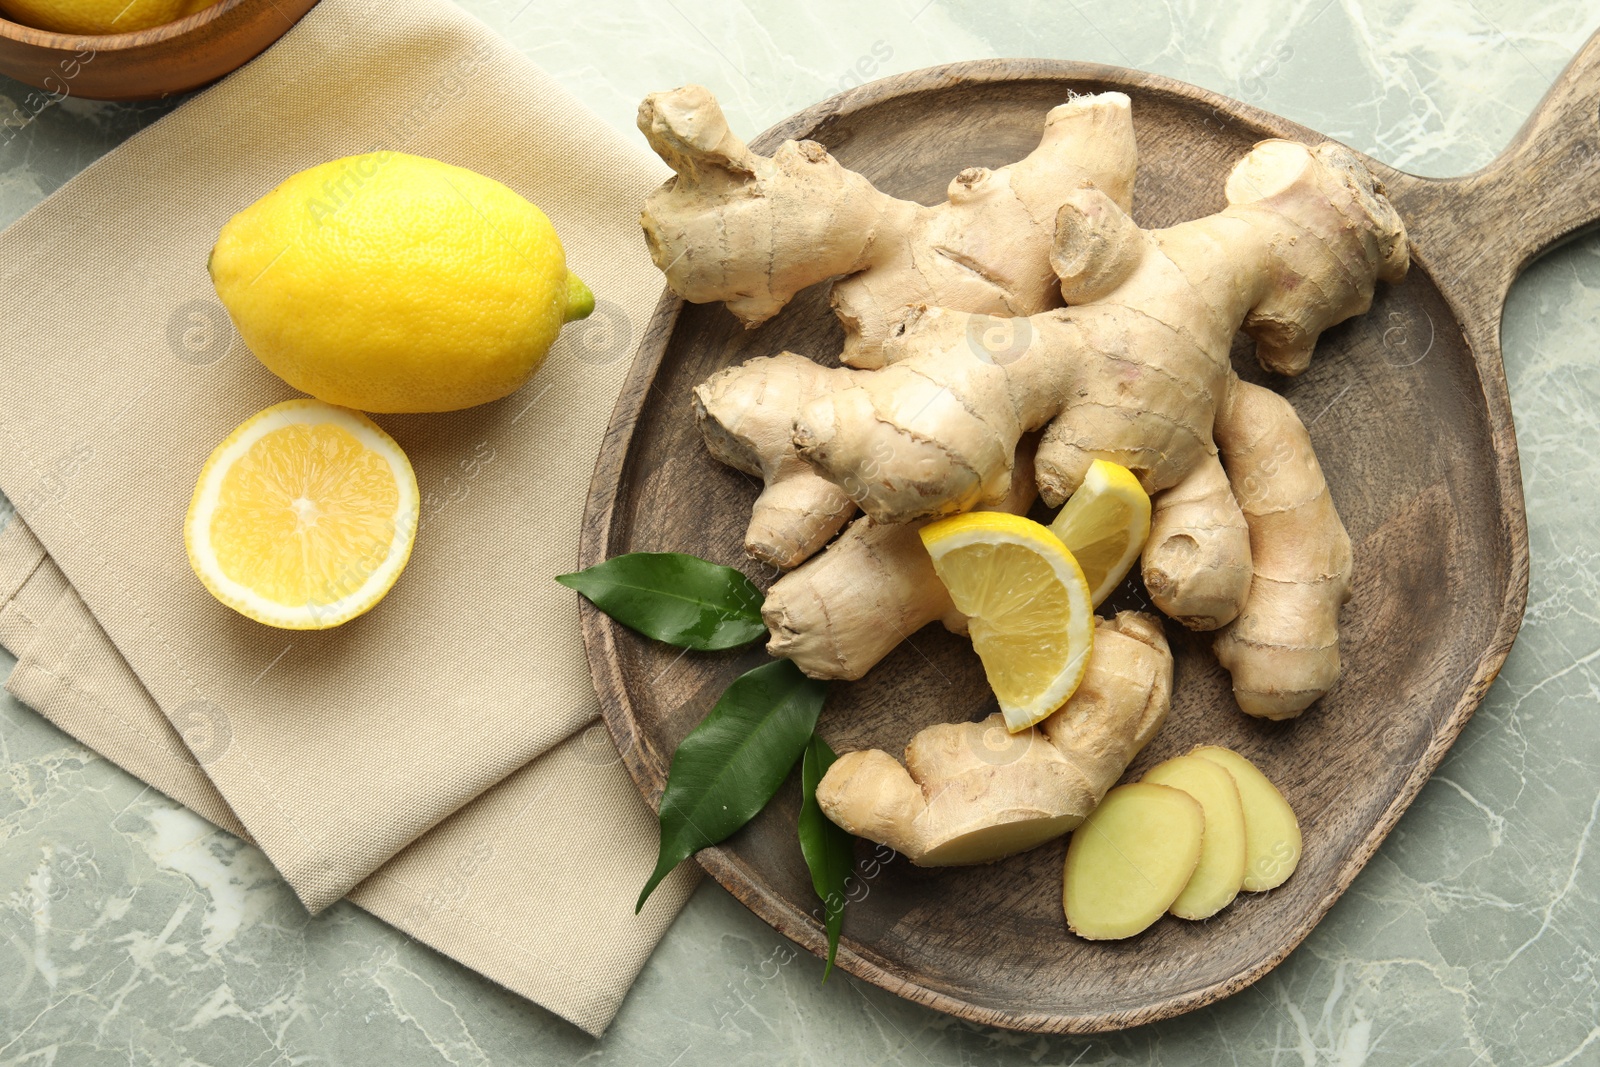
(673, 597)
(730, 765)
(829, 850)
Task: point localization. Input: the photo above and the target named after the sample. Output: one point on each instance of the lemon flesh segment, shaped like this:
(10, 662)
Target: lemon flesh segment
(304, 517)
(1031, 619)
(1105, 525)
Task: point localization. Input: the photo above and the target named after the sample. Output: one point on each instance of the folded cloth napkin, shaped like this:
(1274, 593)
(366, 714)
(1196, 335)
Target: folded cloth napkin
(517, 885)
(457, 717)
(342, 746)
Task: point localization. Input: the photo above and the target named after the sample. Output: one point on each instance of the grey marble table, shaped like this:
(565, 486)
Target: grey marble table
(132, 932)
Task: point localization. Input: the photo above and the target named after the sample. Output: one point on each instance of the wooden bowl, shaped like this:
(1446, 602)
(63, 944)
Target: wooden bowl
(1408, 409)
(147, 64)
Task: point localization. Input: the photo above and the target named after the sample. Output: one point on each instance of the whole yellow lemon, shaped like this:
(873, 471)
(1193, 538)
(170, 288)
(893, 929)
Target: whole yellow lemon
(93, 17)
(388, 282)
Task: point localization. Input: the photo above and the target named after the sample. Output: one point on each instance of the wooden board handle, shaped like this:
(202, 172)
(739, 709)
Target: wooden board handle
(1545, 187)
(1484, 228)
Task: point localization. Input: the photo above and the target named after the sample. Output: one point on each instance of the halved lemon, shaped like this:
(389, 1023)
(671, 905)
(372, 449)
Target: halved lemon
(1031, 619)
(1105, 525)
(304, 517)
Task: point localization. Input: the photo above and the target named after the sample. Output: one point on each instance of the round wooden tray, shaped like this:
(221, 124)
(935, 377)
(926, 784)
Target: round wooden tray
(1408, 409)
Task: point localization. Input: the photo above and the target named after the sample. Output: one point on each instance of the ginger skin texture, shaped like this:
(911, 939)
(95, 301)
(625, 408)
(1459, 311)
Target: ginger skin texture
(752, 231)
(1136, 370)
(842, 611)
(747, 422)
(955, 351)
(972, 793)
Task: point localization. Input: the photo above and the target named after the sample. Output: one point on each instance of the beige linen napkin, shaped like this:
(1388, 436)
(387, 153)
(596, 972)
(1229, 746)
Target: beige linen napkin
(457, 717)
(517, 885)
(334, 749)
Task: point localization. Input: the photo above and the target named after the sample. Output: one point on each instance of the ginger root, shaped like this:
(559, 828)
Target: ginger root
(1137, 371)
(972, 792)
(1196, 563)
(955, 351)
(1283, 649)
(747, 422)
(752, 231)
(841, 612)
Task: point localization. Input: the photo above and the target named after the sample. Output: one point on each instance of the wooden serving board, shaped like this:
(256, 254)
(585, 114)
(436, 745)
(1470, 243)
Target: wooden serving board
(1408, 409)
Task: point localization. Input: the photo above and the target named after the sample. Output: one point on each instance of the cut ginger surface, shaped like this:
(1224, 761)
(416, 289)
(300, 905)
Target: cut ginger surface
(1130, 859)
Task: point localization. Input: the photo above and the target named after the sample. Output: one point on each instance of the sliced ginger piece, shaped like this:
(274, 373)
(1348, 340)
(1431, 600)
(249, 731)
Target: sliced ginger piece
(1130, 859)
(1271, 832)
(1219, 875)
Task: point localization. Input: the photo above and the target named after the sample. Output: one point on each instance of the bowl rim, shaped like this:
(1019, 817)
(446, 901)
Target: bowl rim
(34, 37)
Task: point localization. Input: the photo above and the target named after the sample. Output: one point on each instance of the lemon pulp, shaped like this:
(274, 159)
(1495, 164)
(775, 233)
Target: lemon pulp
(1031, 619)
(304, 517)
(1105, 525)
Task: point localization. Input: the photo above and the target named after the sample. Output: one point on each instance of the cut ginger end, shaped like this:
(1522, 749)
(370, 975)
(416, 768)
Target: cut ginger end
(1271, 832)
(1220, 874)
(1130, 859)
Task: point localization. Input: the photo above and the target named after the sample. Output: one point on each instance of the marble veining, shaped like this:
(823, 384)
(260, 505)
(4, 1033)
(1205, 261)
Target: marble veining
(131, 932)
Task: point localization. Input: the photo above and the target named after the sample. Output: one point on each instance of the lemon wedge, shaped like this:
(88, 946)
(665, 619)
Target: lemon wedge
(304, 517)
(1031, 619)
(1105, 525)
